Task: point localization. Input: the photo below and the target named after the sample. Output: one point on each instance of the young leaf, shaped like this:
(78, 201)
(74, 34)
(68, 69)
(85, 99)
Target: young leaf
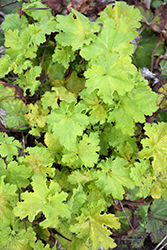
(130, 109)
(155, 146)
(83, 153)
(47, 200)
(63, 55)
(76, 32)
(77, 199)
(17, 240)
(93, 226)
(95, 106)
(67, 122)
(114, 38)
(122, 11)
(17, 174)
(39, 160)
(142, 175)
(112, 177)
(28, 80)
(39, 13)
(15, 22)
(108, 76)
(8, 199)
(8, 146)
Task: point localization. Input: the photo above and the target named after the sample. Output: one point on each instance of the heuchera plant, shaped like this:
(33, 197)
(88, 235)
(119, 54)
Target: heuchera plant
(92, 149)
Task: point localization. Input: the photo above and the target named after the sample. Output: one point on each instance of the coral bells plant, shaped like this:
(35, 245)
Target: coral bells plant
(85, 104)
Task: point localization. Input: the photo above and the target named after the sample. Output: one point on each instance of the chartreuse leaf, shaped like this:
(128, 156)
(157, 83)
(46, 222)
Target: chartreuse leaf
(15, 22)
(8, 199)
(76, 32)
(10, 239)
(155, 146)
(15, 174)
(19, 45)
(48, 200)
(92, 226)
(36, 117)
(39, 245)
(142, 175)
(122, 11)
(104, 76)
(63, 55)
(53, 145)
(8, 146)
(39, 30)
(6, 65)
(77, 199)
(112, 177)
(95, 106)
(28, 80)
(57, 93)
(124, 144)
(39, 160)
(114, 38)
(40, 13)
(83, 153)
(78, 176)
(130, 108)
(67, 122)
(15, 110)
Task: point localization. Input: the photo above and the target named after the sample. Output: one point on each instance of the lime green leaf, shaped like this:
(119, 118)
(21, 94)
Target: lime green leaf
(39, 160)
(8, 146)
(8, 199)
(114, 38)
(53, 145)
(19, 45)
(67, 122)
(155, 146)
(76, 32)
(91, 225)
(131, 108)
(75, 244)
(28, 80)
(6, 65)
(17, 174)
(106, 77)
(39, 245)
(122, 11)
(14, 108)
(84, 152)
(10, 239)
(36, 117)
(47, 200)
(14, 22)
(79, 177)
(112, 177)
(63, 55)
(77, 199)
(59, 93)
(142, 174)
(39, 14)
(95, 106)
(38, 31)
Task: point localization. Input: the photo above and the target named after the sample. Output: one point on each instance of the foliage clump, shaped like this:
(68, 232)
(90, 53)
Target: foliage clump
(89, 146)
